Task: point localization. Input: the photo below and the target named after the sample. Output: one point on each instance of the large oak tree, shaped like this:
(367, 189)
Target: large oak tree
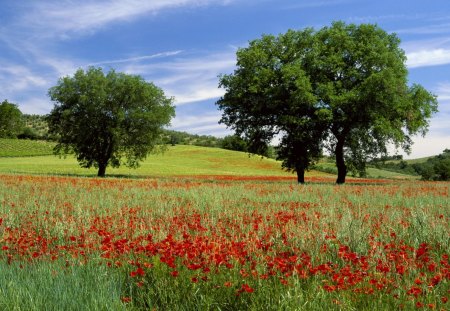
(107, 120)
(270, 94)
(343, 86)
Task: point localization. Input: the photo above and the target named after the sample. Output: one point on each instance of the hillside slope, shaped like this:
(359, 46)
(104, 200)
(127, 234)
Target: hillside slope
(35, 157)
(24, 147)
(176, 160)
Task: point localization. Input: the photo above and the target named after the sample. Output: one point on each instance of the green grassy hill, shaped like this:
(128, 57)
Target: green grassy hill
(177, 160)
(35, 157)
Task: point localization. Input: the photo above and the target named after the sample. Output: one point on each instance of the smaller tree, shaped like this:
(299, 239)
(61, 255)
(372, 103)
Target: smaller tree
(104, 119)
(11, 123)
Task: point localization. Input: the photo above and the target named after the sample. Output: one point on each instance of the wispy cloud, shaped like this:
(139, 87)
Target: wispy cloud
(189, 79)
(40, 28)
(426, 58)
(136, 59)
(64, 18)
(35, 105)
(14, 78)
(443, 93)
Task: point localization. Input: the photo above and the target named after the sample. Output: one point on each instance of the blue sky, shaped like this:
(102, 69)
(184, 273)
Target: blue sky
(183, 45)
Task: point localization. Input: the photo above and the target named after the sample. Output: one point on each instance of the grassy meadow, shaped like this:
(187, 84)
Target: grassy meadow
(209, 229)
(176, 160)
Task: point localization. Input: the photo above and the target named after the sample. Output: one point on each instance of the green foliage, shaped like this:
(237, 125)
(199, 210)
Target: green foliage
(104, 119)
(270, 94)
(344, 85)
(28, 133)
(234, 142)
(11, 123)
(361, 78)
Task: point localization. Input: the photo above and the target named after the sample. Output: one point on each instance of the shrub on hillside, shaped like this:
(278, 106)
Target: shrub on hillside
(436, 168)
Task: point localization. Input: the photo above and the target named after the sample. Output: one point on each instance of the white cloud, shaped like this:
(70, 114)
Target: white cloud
(438, 137)
(426, 58)
(207, 93)
(203, 124)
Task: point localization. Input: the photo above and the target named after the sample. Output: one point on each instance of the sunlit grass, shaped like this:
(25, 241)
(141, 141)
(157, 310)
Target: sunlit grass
(176, 160)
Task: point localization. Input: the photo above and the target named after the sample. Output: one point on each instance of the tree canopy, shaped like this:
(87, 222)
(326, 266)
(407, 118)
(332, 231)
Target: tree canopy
(270, 94)
(107, 120)
(11, 123)
(342, 87)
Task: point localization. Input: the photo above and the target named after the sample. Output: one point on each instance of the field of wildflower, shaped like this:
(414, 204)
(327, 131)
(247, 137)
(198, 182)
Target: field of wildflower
(222, 243)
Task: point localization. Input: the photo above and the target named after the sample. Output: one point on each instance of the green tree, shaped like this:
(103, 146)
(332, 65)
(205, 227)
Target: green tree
(104, 119)
(11, 123)
(344, 86)
(360, 77)
(270, 94)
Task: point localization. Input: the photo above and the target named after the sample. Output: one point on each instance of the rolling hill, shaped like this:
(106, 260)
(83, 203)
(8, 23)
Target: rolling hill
(35, 157)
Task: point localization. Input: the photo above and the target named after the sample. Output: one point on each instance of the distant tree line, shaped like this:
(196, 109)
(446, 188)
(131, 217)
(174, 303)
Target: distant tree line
(173, 138)
(35, 127)
(435, 168)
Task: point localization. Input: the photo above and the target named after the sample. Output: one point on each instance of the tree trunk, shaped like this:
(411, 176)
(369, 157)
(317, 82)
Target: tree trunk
(340, 162)
(101, 170)
(300, 174)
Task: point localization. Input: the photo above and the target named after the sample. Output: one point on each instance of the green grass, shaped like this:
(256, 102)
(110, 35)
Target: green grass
(25, 147)
(74, 218)
(177, 160)
(51, 286)
(378, 173)
(412, 161)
